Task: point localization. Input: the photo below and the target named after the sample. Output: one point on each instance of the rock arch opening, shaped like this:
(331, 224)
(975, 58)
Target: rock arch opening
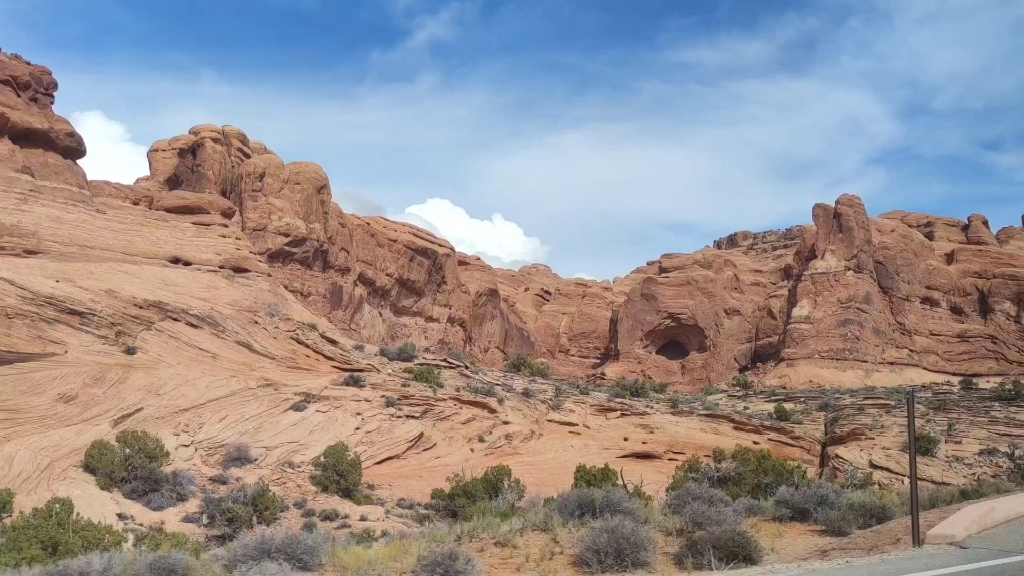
(678, 342)
(672, 350)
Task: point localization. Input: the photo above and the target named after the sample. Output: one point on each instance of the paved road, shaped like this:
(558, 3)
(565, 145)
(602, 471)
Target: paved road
(998, 552)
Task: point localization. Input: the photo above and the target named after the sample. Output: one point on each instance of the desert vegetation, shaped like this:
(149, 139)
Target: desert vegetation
(133, 464)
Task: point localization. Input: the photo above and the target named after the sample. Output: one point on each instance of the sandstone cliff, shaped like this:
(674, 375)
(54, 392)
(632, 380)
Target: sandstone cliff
(847, 298)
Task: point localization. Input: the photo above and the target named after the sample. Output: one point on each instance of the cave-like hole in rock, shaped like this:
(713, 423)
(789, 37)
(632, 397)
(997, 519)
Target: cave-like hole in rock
(672, 350)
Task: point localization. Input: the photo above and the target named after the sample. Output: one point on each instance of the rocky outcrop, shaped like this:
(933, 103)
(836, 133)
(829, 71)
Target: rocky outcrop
(34, 141)
(849, 296)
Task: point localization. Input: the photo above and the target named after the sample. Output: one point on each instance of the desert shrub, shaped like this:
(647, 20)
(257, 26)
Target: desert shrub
(826, 404)
(522, 364)
(426, 375)
(243, 507)
(926, 443)
(354, 381)
(801, 504)
(172, 563)
(133, 465)
(448, 560)
(781, 413)
(701, 507)
(309, 512)
(406, 352)
(482, 389)
(968, 384)
(359, 347)
(585, 476)
(634, 387)
(266, 569)
(615, 545)
(681, 497)
(309, 525)
(299, 406)
(867, 508)
(237, 455)
(300, 503)
(329, 514)
(156, 538)
(751, 508)
(338, 471)
(582, 504)
(301, 550)
(406, 504)
(742, 381)
(130, 349)
(6, 502)
(1009, 390)
(942, 496)
(495, 486)
(528, 392)
(709, 390)
(557, 403)
(221, 478)
(391, 402)
(837, 522)
(52, 533)
(722, 547)
(743, 472)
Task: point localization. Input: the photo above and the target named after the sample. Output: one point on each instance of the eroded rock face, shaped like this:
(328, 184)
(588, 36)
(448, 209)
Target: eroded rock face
(34, 141)
(892, 297)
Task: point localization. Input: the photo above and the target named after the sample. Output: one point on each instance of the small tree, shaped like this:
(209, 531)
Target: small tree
(495, 486)
(338, 471)
(594, 477)
(742, 381)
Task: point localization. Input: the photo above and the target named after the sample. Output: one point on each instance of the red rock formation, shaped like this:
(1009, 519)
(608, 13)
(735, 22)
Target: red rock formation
(34, 141)
(845, 298)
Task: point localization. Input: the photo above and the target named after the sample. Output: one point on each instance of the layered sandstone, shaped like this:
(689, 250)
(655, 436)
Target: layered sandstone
(845, 298)
(848, 297)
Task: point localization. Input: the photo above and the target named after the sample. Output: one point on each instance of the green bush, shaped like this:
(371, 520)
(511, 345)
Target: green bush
(338, 471)
(967, 384)
(594, 477)
(803, 503)
(103, 460)
(156, 538)
(522, 364)
(743, 472)
(52, 533)
(406, 352)
(134, 465)
(243, 507)
(427, 375)
(496, 486)
(782, 414)
(926, 443)
(6, 502)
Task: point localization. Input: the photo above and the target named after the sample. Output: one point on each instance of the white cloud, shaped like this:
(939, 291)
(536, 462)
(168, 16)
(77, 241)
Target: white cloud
(110, 152)
(499, 242)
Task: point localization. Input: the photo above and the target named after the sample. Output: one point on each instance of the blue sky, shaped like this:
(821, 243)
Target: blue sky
(604, 133)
